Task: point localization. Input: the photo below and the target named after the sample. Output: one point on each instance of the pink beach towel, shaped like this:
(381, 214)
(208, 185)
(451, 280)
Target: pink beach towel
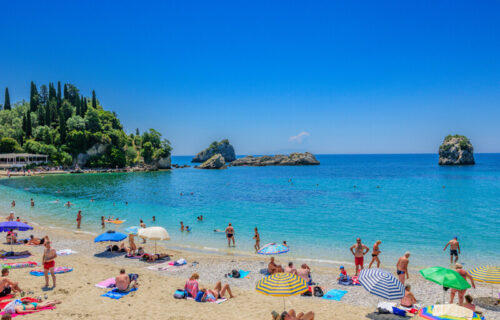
(106, 284)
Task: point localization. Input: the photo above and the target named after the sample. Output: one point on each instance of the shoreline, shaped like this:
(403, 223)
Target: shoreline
(78, 286)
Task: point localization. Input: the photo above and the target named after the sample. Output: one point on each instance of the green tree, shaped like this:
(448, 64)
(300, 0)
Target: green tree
(43, 134)
(147, 152)
(59, 100)
(65, 92)
(76, 123)
(93, 121)
(9, 145)
(33, 97)
(117, 158)
(28, 124)
(6, 105)
(62, 127)
(94, 100)
(67, 110)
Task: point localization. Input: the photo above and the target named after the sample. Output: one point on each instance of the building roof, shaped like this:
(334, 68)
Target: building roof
(12, 155)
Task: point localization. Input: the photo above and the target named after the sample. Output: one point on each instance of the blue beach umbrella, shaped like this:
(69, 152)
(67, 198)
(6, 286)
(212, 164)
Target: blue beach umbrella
(381, 283)
(273, 248)
(14, 225)
(110, 236)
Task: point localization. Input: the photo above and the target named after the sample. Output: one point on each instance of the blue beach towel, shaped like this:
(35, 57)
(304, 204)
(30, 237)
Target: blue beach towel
(115, 294)
(243, 274)
(334, 294)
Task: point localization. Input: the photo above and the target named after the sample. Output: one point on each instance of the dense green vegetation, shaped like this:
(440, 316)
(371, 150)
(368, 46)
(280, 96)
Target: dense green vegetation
(63, 124)
(463, 142)
(215, 144)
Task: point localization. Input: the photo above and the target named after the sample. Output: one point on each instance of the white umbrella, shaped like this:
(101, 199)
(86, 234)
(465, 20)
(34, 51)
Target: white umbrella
(154, 233)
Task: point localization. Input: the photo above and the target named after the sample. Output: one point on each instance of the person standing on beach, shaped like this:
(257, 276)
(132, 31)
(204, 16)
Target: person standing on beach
(78, 219)
(48, 259)
(402, 267)
(454, 249)
(359, 250)
(375, 254)
(182, 226)
(461, 293)
(230, 235)
(32, 202)
(103, 225)
(256, 237)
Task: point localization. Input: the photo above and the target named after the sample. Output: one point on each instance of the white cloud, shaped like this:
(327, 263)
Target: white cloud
(300, 137)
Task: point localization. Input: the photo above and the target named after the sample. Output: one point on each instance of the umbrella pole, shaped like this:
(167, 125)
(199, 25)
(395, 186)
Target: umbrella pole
(284, 308)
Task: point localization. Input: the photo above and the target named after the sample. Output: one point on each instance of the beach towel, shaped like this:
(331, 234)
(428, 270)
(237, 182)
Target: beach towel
(219, 301)
(167, 267)
(334, 294)
(13, 303)
(243, 274)
(17, 265)
(116, 294)
(65, 252)
(106, 284)
(133, 257)
(57, 270)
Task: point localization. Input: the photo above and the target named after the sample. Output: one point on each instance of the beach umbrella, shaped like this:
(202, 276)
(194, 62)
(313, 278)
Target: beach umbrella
(132, 230)
(110, 236)
(447, 312)
(273, 248)
(381, 283)
(487, 274)
(154, 233)
(14, 225)
(446, 277)
(282, 285)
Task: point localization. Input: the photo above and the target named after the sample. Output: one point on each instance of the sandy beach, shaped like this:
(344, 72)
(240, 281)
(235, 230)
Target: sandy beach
(154, 298)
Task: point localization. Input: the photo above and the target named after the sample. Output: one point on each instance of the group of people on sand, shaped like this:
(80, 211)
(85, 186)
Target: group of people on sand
(192, 289)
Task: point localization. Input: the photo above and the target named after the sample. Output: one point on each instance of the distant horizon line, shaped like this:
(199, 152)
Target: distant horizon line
(339, 154)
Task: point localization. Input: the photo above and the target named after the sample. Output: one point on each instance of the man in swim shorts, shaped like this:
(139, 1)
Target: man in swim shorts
(461, 293)
(359, 250)
(125, 282)
(454, 249)
(402, 267)
(230, 235)
(7, 285)
(49, 257)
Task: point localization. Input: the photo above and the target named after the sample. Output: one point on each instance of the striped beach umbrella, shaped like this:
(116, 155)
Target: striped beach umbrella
(487, 274)
(447, 312)
(282, 285)
(381, 283)
(273, 248)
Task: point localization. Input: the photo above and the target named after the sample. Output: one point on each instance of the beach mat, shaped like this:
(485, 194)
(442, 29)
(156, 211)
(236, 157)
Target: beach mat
(57, 270)
(334, 294)
(167, 266)
(115, 294)
(243, 274)
(133, 257)
(219, 301)
(106, 284)
(3, 304)
(18, 265)
(16, 257)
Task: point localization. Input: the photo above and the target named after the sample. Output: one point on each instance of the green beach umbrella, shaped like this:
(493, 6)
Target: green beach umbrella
(446, 277)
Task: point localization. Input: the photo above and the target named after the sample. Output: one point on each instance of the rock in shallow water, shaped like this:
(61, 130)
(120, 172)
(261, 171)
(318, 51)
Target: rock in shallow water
(224, 148)
(456, 150)
(215, 162)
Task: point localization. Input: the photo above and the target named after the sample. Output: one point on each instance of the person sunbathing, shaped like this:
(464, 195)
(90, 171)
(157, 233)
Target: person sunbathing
(28, 307)
(291, 315)
(35, 241)
(153, 257)
(273, 268)
(304, 272)
(217, 293)
(409, 299)
(6, 285)
(126, 282)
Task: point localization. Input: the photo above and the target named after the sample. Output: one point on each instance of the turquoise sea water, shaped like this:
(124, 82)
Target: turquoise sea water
(407, 201)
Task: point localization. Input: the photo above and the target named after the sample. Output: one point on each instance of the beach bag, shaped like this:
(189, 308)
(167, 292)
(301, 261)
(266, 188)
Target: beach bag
(235, 274)
(318, 292)
(398, 312)
(179, 294)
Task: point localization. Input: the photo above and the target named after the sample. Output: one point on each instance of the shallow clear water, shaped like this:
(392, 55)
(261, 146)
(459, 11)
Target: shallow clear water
(407, 201)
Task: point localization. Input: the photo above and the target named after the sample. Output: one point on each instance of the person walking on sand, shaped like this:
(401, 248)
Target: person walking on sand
(402, 267)
(78, 219)
(230, 235)
(376, 251)
(454, 249)
(48, 259)
(359, 250)
(461, 293)
(256, 237)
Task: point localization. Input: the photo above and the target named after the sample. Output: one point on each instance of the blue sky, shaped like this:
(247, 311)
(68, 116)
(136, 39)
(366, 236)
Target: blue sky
(272, 76)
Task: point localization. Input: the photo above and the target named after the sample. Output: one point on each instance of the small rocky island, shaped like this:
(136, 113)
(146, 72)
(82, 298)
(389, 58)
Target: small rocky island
(215, 162)
(224, 148)
(456, 150)
(294, 159)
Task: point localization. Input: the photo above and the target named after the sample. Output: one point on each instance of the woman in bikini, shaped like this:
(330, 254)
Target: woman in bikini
(375, 253)
(28, 307)
(217, 293)
(131, 242)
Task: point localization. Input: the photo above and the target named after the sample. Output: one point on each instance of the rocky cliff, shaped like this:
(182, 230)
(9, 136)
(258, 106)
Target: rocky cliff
(456, 150)
(215, 162)
(294, 159)
(224, 148)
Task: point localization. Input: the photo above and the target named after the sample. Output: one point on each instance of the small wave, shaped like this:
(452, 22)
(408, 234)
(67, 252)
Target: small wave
(211, 249)
(326, 261)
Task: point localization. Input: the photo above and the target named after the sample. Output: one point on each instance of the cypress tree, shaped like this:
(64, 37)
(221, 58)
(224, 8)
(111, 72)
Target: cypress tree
(62, 127)
(28, 124)
(33, 97)
(85, 105)
(78, 110)
(59, 101)
(82, 107)
(94, 100)
(52, 91)
(6, 105)
(24, 123)
(48, 117)
(65, 91)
